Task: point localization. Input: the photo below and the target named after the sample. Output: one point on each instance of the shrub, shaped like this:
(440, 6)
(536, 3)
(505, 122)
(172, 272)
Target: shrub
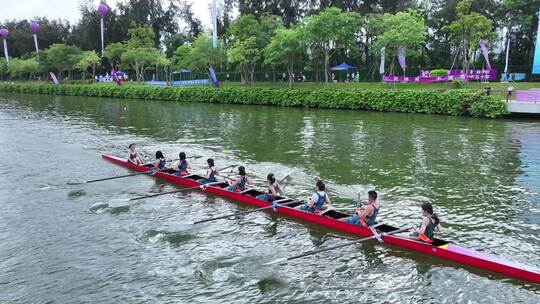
(458, 84)
(452, 102)
(440, 72)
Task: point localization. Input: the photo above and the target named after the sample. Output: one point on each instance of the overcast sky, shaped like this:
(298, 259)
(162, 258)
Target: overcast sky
(69, 9)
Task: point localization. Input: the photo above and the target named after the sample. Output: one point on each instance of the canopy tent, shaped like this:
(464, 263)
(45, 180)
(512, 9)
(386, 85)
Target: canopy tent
(343, 67)
(182, 72)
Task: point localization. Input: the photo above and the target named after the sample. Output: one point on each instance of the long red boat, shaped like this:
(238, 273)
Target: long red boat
(439, 248)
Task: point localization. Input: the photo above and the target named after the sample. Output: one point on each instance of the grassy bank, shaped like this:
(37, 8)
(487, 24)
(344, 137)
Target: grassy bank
(448, 102)
(498, 86)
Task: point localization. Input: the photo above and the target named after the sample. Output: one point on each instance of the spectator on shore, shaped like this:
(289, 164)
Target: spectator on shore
(509, 91)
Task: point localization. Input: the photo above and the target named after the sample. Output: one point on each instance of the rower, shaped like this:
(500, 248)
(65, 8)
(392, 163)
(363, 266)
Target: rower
(365, 216)
(317, 200)
(273, 189)
(211, 173)
(430, 222)
(182, 165)
(133, 156)
(240, 183)
(160, 161)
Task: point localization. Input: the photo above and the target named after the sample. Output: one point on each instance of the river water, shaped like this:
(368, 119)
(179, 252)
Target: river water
(77, 244)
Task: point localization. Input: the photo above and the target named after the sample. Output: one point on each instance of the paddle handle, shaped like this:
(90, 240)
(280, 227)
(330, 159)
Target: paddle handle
(171, 192)
(375, 234)
(109, 178)
(243, 212)
(382, 235)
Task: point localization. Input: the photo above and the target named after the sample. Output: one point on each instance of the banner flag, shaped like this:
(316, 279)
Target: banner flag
(507, 53)
(36, 43)
(214, 24)
(6, 54)
(213, 77)
(401, 57)
(536, 61)
(53, 77)
(485, 52)
(381, 67)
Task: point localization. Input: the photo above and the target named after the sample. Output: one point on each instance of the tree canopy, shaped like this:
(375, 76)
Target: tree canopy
(330, 31)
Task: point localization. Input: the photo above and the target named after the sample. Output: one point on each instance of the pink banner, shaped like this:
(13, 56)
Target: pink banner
(401, 57)
(485, 52)
(528, 95)
(425, 76)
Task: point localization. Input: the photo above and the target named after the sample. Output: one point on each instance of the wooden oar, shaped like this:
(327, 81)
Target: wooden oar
(281, 191)
(285, 177)
(109, 178)
(227, 167)
(375, 234)
(275, 205)
(168, 192)
(330, 208)
(177, 159)
(282, 260)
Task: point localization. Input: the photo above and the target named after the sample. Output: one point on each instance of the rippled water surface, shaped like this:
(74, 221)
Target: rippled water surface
(80, 244)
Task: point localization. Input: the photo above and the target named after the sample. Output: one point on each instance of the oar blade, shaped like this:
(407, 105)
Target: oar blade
(118, 202)
(75, 183)
(177, 227)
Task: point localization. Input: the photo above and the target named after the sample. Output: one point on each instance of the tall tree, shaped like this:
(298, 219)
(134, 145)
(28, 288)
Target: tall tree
(141, 36)
(19, 67)
(287, 48)
(193, 25)
(246, 54)
(521, 18)
(247, 37)
(62, 57)
(404, 29)
(172, 42)
(290, 11)
(140, 59)
(180, 58)
(86, 32)
(20, 39)
(88, 60)
(114, 52)
(332, 30)
(468, 29)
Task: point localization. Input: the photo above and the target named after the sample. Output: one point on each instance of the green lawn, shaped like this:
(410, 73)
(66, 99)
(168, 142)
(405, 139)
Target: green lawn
(382, 85)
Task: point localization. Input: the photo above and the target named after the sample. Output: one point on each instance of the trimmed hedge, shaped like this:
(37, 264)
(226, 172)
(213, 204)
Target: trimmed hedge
(452, 102)
(439, 72)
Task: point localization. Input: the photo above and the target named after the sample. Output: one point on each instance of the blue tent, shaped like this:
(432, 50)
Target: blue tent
(343, 67)
(182, 72)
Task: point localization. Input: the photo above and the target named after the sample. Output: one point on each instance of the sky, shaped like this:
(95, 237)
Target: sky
(69, 9)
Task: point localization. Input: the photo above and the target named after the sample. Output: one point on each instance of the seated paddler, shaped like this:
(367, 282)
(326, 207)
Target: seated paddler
(365, 215)
(317, 199)
(430, 223)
